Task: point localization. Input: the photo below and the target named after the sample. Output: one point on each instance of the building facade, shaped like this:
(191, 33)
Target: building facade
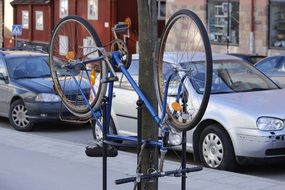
(240, 26)
(2, 23)
(234, 26)
(39, 17)
(8, 22)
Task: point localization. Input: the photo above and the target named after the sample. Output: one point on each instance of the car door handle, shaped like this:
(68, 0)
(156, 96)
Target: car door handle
(114, 94)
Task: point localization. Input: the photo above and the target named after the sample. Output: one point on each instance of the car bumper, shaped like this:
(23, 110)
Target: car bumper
(43, 111)
(258, 144)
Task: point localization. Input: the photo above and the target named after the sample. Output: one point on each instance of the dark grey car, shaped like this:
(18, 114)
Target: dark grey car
(26, 90)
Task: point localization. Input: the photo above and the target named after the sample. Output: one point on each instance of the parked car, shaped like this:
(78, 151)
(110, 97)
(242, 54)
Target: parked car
(26, 90)
(274, 68)
(244, 119)
(250, 58)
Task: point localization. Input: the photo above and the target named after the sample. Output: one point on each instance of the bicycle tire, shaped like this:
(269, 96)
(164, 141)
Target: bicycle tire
(73, 41)
(175, 54)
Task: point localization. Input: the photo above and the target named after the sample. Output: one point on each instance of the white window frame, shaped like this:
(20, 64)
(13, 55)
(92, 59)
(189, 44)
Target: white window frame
(63, 45)
(39, 20)
(63, 8)
(159, 16)
(25, 19)
(95, 9)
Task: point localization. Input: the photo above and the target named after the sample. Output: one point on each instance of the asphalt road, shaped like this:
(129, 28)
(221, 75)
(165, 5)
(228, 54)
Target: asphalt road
(82, 134)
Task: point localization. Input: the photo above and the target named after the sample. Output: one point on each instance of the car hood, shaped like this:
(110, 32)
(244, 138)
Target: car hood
(252, 104)
(43, 85)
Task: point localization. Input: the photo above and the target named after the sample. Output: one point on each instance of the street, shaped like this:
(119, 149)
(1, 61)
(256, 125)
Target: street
(79, 134)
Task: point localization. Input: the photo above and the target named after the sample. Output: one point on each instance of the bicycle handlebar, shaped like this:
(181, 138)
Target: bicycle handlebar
(175, 173)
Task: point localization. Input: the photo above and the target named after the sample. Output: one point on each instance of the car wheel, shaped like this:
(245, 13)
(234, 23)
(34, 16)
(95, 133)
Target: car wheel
(216, 150)
(19, 117)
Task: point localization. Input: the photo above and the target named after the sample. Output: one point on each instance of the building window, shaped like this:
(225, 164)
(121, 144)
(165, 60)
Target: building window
(92, 8)
(63, 45)
(63, 8)
(90, 45)
(223, 21)
(25, 19)
(277, 24)
(161, 9)
(39, 20)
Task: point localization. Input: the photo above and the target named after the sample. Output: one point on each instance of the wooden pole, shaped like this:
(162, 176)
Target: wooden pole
(147, 14)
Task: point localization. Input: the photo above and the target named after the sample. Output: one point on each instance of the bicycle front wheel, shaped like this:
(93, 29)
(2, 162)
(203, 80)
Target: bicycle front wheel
(74, 43)
(185, 60)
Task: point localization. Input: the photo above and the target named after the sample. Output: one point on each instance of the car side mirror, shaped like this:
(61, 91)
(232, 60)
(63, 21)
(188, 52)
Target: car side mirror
(3, 77)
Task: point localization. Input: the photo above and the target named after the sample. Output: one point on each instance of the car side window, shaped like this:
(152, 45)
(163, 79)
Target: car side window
(282, 65)
(2, 67)
(268, 65)
(133, 70)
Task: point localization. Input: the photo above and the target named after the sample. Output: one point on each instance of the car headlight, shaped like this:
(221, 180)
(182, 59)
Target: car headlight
(45, 97)
(269, 124)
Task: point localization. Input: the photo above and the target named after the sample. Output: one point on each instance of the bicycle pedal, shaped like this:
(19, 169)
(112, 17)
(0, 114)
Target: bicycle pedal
(109, 79)
(97, 151)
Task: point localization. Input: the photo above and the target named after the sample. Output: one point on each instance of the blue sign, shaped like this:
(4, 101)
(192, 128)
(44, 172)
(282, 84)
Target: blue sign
(17, 30)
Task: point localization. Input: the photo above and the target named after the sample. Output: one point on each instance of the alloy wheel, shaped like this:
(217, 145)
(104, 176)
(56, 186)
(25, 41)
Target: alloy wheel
(20, 116)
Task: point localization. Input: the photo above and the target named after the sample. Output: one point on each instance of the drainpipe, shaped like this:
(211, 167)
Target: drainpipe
(251, 34)
(2, 23)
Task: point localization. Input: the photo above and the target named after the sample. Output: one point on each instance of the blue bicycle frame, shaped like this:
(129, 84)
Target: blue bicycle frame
(116, 61)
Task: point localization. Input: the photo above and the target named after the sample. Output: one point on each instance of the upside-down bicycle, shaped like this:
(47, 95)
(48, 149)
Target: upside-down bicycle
(77, 57)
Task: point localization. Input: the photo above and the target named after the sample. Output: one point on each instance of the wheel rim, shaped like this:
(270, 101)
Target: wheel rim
(98, 132)
(73, 42)
(20, 116)
(213, 150)
(184, 48)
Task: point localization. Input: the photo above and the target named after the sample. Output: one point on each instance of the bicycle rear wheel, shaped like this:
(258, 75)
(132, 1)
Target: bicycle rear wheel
(74, 42)
(185, 54)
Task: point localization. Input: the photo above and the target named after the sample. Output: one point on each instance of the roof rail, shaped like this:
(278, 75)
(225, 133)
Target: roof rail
(22, 49)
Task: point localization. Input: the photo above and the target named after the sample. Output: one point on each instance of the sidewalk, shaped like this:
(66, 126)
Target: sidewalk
(31, 162)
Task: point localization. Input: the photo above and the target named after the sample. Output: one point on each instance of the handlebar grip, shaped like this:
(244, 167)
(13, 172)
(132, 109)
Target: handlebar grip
(125, 180)
(194, 169)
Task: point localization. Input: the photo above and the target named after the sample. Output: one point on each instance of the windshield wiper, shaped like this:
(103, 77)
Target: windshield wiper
(223, 92)
(25, 77)
(43, 76)
(255, 89)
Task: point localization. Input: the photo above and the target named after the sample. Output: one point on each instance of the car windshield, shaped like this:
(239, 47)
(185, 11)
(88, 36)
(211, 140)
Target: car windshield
(231, 76)
(228, 76)
(28, 67)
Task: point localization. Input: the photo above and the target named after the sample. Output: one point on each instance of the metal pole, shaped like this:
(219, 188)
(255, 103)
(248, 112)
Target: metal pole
(139, 134)
(228, 32)
(104, 144)
(183, 161)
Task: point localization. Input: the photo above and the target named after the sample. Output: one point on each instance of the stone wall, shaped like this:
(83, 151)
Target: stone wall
(260, 25)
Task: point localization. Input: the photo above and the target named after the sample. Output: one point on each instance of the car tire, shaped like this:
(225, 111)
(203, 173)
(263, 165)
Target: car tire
(216, 150)
(19, 117)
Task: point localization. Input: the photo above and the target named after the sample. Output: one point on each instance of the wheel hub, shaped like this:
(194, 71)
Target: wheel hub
(212, 149)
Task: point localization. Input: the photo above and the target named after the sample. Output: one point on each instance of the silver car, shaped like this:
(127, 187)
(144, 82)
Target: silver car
(244, 118)
(274, 68)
